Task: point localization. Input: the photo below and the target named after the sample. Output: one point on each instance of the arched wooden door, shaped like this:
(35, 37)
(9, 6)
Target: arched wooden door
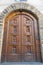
(22, 42)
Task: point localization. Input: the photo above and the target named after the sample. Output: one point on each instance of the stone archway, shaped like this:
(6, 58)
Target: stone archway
(20, 6)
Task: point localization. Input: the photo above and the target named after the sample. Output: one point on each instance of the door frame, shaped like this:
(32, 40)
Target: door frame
(20, 10)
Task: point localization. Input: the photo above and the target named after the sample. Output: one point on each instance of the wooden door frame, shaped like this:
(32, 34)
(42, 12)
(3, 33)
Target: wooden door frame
(4, 45)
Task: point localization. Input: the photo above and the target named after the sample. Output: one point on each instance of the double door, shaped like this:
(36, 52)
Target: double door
(20, 38)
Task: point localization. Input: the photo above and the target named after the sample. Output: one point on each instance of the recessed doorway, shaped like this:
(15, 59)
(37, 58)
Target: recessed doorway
(21, 38)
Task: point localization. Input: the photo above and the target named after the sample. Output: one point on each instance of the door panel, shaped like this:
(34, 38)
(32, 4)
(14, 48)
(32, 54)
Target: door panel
(13, 39)
(28, 38)
(20, 38)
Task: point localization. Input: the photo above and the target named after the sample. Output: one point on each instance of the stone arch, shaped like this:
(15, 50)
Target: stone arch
(21, 6)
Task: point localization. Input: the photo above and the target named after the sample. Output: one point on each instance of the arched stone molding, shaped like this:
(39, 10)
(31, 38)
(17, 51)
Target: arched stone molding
(16, 6)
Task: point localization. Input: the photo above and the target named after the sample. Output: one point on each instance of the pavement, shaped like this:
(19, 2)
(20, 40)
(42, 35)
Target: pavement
(21, 63)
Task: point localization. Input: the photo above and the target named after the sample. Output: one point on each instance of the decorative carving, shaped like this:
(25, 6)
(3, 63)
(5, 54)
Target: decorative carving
(27, 29)
(29, 49)
(28, 38)
(13, 49)
(15, 29)
(14, 38)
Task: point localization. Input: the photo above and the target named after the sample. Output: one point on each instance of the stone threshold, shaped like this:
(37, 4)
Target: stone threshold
(21, 63)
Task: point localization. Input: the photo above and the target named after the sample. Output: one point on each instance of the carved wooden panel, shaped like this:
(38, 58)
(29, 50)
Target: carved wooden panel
(20, 40)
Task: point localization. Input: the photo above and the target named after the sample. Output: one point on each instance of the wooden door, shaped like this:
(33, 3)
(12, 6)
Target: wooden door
(20, 38)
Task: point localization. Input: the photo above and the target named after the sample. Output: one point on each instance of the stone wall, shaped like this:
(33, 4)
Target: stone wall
(13, 7)
(37, 4)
